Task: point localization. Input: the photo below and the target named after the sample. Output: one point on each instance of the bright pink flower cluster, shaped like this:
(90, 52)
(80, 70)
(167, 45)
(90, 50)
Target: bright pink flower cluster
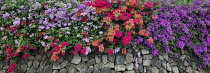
(11, 68)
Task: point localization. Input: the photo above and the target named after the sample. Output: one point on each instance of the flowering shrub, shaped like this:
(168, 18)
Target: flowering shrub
(85, 26)
(183, 27)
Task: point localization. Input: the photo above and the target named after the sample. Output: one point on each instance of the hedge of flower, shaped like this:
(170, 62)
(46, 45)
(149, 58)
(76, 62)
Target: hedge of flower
(98, 25)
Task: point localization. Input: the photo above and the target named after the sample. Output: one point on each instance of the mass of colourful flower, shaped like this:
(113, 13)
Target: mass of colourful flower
(107, 26)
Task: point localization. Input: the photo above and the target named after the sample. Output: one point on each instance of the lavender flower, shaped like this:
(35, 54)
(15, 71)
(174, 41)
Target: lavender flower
(16, 42)
(116, 50)
(43, 43)
(41, 27)
(6, 15)
(139, 54)
(46, 37)
(4, 38)
(86, 39)
(86, 28)
(100, 32)
(16, 22)
(88, 50)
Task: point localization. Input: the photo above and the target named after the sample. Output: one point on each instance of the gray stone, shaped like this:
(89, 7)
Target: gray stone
(72, 68)
(104, 58)
(175, 69)
(82, 67)
(185, 63)
(48, 69)
(195, 71)
(146, 62)
(98, 60)
(168, 67)
(111, 58)
(23, 61)
(111, 65)
(32, 70)
(194, 66)
(55, 71)
(112, 71)
(47, 62)
(3, 71)
(41, 65)
(144, 51)
(141, 68)
(31, 58)
(106, 70)
(129, 71)
(38, 57)
(140, 60)
(40, 70)
(18, 71)
(97, 66)
(119, 68)
(189, 70)
(90, 69)
(60, 59)
(158, 64)
(162, 70)
(24, 67)
(160, 57)
(129, 58)
(153, 62)
(96, 71)
(5, 67)
(165, 56)
(64, 63)
(164, 65)
(147, 57)
(85, 58)
(68, 57)
(91, 56)
(129, 66)
(119, 59)
(129, 50)
(35, 64)
(76, 59)
(56, 65)
(173, 64)
(63, 70)
(91, 62)
(155, 70)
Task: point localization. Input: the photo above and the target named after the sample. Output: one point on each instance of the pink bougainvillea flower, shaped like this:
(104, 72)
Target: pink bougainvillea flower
(126, 40)
(83, 51)
(11, 68)
(119, 34)
(64, 44)
(110, 52)
(25, 56)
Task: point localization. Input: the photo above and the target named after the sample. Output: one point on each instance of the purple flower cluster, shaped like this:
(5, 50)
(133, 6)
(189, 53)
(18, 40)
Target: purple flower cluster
(183, 27)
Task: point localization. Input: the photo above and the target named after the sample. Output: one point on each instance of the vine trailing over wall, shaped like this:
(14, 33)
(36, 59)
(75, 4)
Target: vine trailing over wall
(86, 26)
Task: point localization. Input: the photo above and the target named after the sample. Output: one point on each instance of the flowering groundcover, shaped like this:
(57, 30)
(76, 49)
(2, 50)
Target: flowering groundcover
(86, 26)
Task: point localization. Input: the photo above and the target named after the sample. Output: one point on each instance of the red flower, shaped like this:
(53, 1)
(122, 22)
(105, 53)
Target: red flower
(25, 56)
(32, 22)
(11, 68)
(83, 51)
(52, 20)
(63, 53)
(129, 33)
(74, 52)
(110, 52)
(84, 20)
(22, 23)
(64, 44)
(115, 41)
(46, 3)
(119, 34)
(148, 5)
(155, 4)
(126, 40)
(6, 25)
(86, 36)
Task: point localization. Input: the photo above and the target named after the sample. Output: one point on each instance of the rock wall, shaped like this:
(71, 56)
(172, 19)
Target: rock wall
(103, 63)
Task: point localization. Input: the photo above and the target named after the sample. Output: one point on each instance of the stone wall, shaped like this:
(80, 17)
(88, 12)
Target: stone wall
(103, 63)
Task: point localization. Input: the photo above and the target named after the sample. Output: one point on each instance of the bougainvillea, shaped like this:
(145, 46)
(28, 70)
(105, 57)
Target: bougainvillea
(108, 26)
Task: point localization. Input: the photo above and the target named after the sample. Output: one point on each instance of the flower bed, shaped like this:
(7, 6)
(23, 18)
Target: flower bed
(100, 25)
